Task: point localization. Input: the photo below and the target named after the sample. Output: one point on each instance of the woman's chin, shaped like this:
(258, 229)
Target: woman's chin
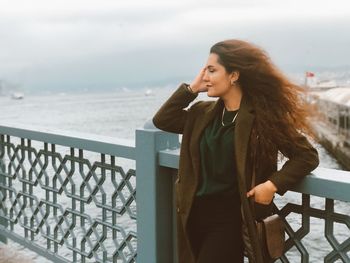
(211, 94)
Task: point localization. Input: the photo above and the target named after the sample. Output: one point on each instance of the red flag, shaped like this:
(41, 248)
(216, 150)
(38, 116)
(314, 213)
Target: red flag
(309, 74)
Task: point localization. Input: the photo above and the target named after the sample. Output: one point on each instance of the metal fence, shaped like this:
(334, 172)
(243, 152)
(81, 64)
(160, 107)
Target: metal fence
(68, 198)
(72, 198)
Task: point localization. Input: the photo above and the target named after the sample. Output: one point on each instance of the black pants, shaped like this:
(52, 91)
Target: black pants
(215, 229)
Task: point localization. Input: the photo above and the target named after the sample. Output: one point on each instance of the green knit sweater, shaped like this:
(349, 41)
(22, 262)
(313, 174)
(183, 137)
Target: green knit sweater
(218, 166)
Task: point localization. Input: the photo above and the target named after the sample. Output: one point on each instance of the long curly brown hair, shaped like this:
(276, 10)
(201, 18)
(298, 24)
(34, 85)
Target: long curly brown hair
(280, 108)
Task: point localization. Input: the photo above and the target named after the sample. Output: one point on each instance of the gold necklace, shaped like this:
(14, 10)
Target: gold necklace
(222, 117)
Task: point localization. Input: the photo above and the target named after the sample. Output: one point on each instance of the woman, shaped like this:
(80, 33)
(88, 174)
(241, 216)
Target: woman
(259, 112)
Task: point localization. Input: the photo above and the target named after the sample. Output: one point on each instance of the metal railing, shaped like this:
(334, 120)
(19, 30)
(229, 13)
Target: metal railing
(72, 198)
(68, 197)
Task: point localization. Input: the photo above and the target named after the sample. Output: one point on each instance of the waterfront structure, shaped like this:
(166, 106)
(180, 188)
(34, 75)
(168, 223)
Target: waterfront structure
(333, 125)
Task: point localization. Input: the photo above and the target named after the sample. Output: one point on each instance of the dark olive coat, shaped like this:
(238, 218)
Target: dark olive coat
(174, 116)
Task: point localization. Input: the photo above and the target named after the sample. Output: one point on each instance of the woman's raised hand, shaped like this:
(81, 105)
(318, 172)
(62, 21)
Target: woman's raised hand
(198, 84)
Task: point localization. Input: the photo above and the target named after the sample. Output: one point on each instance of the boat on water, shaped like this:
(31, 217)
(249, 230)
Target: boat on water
(17, 96)
(148, 92)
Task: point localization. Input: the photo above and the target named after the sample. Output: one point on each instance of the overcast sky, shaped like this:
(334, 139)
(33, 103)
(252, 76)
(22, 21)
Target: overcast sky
(74, 44)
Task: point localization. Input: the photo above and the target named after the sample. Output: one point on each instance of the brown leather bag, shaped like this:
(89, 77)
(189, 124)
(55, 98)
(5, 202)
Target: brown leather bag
(271, 235)
(270, 232)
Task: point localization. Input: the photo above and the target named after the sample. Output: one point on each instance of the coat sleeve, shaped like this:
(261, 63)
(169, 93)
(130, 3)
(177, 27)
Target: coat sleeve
(172, 115)
(301, 161)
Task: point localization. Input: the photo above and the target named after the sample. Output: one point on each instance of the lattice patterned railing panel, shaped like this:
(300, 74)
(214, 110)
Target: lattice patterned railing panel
(73, 205)
(315, 232)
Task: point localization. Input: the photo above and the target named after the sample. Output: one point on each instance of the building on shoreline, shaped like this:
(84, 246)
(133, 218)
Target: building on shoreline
(333, 126)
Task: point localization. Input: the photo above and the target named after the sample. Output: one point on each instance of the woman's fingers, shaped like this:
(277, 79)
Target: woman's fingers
(251, 192)
(198, 83)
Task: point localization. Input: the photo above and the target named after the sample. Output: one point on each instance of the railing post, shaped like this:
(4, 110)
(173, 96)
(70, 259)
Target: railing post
(3, 221)
(154, 198)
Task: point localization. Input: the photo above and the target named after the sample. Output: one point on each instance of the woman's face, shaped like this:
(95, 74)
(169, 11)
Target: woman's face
(217, 80)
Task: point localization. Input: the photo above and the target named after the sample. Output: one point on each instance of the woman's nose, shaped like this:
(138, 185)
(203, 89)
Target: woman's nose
(205, 76)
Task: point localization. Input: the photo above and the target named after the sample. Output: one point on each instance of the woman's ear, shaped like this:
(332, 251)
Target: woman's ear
(234, 76)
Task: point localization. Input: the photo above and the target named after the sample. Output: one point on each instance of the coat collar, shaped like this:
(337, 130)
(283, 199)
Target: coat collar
(243, 127)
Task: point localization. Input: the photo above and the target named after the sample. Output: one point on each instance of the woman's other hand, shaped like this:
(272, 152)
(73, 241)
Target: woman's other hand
(198, 84)
(263, 193)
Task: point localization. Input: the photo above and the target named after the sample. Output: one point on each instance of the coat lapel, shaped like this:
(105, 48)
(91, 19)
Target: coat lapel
(244, 123)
